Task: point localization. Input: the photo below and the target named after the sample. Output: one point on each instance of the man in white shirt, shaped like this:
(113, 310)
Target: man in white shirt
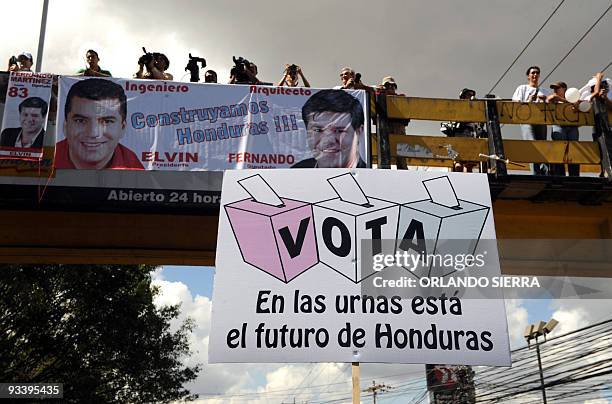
(531, 92)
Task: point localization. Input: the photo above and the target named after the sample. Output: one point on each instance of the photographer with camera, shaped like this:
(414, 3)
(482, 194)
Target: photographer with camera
(464, 129)
(12, 64)
(193, 68)
(21, 63)
(290, 77)
(351, 80)
(156, 65)
(243, 72)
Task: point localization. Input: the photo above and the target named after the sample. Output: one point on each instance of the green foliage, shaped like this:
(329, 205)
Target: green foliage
(95, 329)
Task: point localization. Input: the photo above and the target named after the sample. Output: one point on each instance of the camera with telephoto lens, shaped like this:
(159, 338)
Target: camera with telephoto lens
(146, 58)
(192, 67)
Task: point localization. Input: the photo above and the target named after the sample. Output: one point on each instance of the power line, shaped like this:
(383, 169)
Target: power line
(526, 46)
(577, 43)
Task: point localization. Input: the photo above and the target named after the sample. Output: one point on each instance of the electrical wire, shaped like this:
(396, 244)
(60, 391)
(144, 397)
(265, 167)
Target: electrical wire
(577, 43)
(525, 47)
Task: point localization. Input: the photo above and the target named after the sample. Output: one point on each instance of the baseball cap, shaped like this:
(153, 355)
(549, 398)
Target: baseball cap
(26, 55)
(558, 84)
(389, 80)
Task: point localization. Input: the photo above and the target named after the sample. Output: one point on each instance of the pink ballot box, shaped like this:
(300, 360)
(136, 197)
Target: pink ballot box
(279, 240)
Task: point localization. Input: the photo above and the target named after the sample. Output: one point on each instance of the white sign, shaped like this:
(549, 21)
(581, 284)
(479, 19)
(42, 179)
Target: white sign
(24, 122)
(170, 126)
(294, 279)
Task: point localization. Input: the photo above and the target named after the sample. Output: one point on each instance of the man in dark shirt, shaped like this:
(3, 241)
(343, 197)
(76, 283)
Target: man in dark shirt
(32, 114)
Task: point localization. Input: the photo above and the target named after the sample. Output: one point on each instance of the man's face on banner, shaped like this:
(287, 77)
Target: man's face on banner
(93, 129)
(32, 120)
(332, 139)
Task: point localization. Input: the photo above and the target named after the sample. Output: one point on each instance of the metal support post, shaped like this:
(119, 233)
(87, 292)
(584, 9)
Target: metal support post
(496, 144)
(382, 132)
(41, 38)
(541, 373)
(603, 136)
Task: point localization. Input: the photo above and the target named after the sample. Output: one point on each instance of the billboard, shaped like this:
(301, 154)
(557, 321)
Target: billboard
(172, 126)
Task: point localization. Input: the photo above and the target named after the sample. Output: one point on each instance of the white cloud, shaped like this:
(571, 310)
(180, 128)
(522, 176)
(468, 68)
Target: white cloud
(517, 321)
(577, 313)
(264, 382)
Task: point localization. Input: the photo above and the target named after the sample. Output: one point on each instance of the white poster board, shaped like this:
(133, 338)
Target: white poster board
(26, 111)
(286, 272)
(169, 126)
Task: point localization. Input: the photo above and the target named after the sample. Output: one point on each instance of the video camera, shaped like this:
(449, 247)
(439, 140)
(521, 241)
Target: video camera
(146, 58)
(239, 70)
(192, 67)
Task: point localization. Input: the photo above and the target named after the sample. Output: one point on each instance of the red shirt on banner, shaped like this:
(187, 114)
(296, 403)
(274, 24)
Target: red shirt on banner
(123, 158)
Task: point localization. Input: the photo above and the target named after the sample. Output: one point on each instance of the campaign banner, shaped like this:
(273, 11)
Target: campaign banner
(24, 121)
(159, 125)
(304, 273)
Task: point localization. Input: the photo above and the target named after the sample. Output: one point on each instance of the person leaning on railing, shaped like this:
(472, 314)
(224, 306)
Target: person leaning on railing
(597, 88)
(388, 86)
(531, 92)
(562, 132)
(464, 129)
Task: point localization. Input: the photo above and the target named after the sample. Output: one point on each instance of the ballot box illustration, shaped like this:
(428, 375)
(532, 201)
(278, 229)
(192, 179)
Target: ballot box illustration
(440, 225)
(342, 222)
(274, 234)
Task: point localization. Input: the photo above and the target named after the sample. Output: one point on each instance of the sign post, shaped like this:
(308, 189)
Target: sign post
(356, 382)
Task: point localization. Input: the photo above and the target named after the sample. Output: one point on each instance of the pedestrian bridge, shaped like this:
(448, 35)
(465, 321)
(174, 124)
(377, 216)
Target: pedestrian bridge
(157, 217)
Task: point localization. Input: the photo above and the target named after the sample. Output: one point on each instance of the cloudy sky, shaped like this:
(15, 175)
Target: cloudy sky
(432, 48)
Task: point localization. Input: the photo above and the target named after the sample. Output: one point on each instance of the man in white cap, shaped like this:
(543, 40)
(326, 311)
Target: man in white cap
(25, 62)
(388, 86)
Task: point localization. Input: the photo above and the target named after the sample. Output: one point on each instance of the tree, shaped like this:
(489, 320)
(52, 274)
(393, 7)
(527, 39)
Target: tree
(95, 329)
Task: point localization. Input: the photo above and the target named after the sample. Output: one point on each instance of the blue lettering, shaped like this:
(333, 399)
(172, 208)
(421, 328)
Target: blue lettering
(137, 120)
(184, 136)
(263, 106)
(198, 136)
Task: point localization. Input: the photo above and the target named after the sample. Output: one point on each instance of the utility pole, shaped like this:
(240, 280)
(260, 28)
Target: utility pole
(41, 38)
(376, 388)
(533, 332)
